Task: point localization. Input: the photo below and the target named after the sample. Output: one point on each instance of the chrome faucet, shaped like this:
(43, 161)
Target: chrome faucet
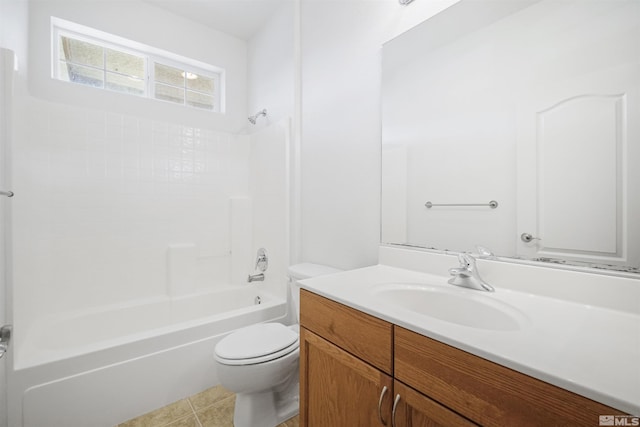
(256, 278)
(262, 263)
(467, 275)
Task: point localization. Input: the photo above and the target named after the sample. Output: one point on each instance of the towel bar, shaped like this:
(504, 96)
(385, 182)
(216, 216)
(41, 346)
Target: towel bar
(492, 204)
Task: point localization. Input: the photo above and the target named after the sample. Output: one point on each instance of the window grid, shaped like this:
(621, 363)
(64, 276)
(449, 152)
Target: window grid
(215, 105)
(148, 77)
(104, 46)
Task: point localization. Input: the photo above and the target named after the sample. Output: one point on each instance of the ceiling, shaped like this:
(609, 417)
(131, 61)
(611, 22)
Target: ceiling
(239, 18)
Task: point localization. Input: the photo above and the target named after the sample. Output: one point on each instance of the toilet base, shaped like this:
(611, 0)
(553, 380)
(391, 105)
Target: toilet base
(266, 409)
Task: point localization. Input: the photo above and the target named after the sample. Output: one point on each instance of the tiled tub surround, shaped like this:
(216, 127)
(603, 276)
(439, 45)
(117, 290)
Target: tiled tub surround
(582, 330)
(101, 198)
(115, 214)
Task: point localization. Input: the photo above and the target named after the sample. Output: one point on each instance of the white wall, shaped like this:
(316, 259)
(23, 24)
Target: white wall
(271, 68)
(14, 15)
(271, 83)
(340, 149)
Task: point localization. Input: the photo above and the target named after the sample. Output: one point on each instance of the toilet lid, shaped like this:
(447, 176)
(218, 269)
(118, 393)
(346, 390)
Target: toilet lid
(256, 341)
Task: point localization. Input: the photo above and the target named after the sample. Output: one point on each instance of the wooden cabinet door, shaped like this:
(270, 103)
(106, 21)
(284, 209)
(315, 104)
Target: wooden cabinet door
(338, 389)
(414, 409)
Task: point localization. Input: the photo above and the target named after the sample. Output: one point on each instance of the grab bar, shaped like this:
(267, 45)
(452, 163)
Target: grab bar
(6, 193)
(492, 204)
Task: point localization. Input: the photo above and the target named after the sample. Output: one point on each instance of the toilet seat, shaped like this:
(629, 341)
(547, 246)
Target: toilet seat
(256, 344)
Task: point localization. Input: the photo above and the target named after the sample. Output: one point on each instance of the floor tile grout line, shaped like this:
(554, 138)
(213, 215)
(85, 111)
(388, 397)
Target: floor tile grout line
(184, 417)
(195, 414)
(191, 406)
(173, 420)
(214, 403)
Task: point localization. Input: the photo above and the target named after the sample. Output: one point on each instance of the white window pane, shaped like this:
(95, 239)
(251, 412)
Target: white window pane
(200, 83)
(125, 63)
(169, 75)
(80, 52)
(84, 57)
(200, 100)
(125, 84)
(169, 93)
(82, 75)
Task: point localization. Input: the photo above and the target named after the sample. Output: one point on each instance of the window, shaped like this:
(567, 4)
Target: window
(92, 58)
(94, 65)
(184, 87)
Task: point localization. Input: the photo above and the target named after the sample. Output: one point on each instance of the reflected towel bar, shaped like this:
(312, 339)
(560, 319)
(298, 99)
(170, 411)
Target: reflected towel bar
(492, 204)
(6, 193)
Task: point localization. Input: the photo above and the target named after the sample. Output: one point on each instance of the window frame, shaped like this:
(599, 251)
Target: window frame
(151, 56)
(97, 42)
(217, 79)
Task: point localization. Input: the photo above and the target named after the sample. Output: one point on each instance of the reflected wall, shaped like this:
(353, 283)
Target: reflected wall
(464, 101)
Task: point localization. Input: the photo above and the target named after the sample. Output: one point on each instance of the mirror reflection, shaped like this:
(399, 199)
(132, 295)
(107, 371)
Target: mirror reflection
(514, 126)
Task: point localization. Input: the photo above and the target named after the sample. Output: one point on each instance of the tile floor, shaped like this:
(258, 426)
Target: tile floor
(211, 408)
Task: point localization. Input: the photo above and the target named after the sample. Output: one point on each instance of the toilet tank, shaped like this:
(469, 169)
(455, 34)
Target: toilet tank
(303, 271)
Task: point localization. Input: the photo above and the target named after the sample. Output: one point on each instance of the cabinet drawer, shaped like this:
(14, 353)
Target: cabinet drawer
(485, 392)
(362, 335)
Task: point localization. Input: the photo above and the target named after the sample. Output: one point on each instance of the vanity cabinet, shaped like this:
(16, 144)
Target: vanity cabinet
(345, 365)
(356, 369)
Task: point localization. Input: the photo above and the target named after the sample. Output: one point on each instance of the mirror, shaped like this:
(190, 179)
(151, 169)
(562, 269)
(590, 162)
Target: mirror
(515, 126)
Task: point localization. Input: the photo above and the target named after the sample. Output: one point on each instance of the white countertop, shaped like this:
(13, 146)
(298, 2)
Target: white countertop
(590, 350)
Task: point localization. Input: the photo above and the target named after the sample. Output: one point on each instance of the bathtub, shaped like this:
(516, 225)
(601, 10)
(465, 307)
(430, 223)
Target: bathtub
(101, 367)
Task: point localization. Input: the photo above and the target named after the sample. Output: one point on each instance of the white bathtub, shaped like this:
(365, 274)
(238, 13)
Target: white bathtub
(102, 367)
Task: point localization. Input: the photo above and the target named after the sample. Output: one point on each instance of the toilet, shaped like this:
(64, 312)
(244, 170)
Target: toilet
(260, 362)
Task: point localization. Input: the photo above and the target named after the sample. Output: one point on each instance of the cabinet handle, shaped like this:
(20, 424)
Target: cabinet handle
(393, 411)
(382, 393)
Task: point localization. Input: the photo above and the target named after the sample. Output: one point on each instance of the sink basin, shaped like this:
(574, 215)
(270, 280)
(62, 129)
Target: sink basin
(462, 307)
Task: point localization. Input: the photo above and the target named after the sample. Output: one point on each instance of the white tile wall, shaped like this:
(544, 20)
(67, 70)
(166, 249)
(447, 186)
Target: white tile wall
(100, 198)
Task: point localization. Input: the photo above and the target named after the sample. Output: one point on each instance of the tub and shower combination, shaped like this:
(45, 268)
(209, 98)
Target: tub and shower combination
(101, 367)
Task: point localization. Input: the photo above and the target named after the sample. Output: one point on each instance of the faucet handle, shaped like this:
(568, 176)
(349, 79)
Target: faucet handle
(467, 264)
(456, 271)
(485, 252)
(467, 274)
(262, 260)
(466, 261)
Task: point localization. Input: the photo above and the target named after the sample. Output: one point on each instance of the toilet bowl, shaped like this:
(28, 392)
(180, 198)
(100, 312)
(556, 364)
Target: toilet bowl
(260, 363)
